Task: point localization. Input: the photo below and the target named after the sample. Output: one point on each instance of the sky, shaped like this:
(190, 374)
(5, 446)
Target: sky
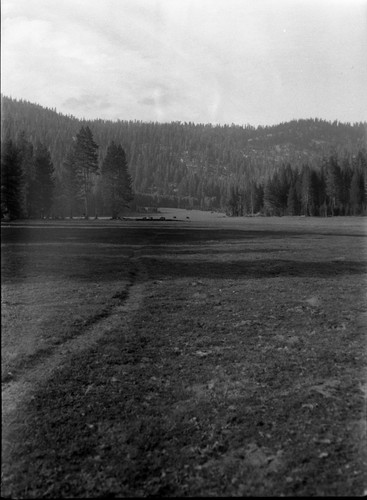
(256, 62)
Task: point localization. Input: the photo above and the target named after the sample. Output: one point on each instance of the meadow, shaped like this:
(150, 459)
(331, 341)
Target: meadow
(200, 355)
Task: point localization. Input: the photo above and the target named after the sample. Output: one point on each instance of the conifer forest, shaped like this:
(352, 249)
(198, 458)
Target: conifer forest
(58, 166)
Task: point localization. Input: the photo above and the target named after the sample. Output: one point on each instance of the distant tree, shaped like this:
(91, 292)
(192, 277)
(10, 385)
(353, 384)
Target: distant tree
(250, 197)
(293, 203)
(333, 184)
(308, 191)
(356, 195)
(346, 174)
(70, 182)
(270, 197)
(285, 181)
(360, 165)
(259, 198)
(11, 180)
(44, 180)
(86, 161)
(234, 205)
(28, 194)
(116, 180)
(276, 194)
(321, 196)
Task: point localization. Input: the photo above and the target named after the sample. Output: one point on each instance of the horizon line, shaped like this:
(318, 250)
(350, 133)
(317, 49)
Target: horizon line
(213, 124)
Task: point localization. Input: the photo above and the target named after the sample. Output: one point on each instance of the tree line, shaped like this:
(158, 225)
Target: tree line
(210, 167)
(30, 187)
(334, 188)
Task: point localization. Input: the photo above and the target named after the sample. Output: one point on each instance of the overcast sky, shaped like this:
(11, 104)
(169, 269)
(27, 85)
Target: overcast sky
(257, 62)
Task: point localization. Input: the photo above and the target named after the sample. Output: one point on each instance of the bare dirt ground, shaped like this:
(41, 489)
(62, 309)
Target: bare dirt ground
(206, 356)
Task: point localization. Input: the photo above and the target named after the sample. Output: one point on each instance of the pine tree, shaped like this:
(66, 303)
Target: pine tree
(70, 182)
(346, 174)
(276, 195)
(308, 197)
(250, 194)
(26, 152)
(44, 180)
(116, 180)
(11, 180)
(259, 198)
(292, 200)
(321, 191)
(125, 180)
(235, 207)
(356, 193)
(360, 164)
(86, 161)
(285, 181)
(333, 184)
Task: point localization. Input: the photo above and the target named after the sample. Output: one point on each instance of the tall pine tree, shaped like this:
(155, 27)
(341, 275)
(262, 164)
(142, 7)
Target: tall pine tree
(86, 161)
(275, 195)
(11, 181)
(308, 191)
(116, 180)
(292, 200)
(28, 195)
(356, 192)
(70, 183)
(333, 184)
(44, 180)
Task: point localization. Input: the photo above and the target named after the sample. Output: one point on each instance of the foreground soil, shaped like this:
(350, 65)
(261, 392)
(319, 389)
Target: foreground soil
(229, 358)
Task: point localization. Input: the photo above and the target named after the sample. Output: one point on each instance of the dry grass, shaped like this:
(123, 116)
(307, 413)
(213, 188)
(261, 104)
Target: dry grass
(242, 373)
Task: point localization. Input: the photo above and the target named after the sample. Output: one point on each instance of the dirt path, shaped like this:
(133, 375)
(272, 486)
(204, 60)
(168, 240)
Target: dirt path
(18, 392)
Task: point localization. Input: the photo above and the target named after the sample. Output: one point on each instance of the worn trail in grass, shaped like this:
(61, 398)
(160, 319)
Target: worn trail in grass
(241, 372)
(34, 370)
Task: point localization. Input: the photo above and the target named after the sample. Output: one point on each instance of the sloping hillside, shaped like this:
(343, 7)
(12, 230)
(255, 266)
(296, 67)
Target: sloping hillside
(187, 160)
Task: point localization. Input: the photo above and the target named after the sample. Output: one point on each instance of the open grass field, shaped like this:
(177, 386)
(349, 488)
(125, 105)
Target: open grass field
(202, 356)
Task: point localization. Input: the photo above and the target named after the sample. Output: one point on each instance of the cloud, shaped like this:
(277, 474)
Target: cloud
(148, 101)
(86, 102)
(228, 61)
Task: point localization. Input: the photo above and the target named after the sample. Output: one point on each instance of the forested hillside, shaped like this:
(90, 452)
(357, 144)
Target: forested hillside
(302, 166)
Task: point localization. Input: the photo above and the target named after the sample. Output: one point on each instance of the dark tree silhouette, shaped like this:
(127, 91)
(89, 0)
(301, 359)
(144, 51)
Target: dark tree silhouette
(116, 180)
(86, 161)
(333, 184)
(44, 181)
(70, 186)
(11, 180)
(357, 192)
